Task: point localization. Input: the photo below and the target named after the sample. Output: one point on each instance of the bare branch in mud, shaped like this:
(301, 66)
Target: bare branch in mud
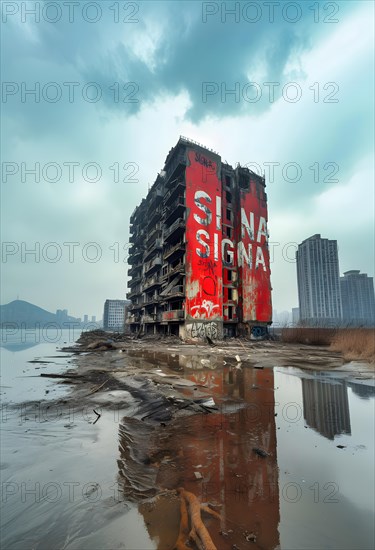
(95, 389)
(191, 509)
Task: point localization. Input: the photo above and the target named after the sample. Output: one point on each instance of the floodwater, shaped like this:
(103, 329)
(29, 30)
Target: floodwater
(69, 483)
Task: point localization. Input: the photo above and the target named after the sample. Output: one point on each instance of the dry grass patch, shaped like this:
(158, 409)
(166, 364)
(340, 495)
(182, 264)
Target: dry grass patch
(355, 344)
(310, 336)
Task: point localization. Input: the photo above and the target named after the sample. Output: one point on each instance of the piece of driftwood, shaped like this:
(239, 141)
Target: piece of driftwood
(52, 375)
(97, 388)
(191, 525)
(243, 345)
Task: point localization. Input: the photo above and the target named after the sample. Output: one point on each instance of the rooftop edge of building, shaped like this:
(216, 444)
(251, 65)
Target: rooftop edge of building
(195, 144)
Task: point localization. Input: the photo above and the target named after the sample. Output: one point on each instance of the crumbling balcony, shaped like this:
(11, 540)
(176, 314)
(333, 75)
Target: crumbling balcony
(156, 245)
(150, 283)
(133, 270)
(173, 315)
(175, 165)
(175, 210)
(135, 280)
(153, 265)
(153, 217)
(175, 230)
(177, 189)
(154, 233)
(155, 198)
(172, 252)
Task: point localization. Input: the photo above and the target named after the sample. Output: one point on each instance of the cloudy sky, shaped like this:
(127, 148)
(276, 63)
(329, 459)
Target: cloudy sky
(95, 94)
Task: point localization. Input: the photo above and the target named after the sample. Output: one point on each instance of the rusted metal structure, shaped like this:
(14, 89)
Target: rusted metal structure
(199, 256)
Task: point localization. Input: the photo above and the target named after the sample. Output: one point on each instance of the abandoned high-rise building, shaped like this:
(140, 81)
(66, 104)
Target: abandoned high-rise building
(319, 282)
(199, 256)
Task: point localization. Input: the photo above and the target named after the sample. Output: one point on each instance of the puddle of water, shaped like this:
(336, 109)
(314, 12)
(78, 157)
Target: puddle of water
(24, 356)
(60, 485)
(315, 489)
(327, 492)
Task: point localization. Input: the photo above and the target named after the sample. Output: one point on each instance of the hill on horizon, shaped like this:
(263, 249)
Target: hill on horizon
(20, 311)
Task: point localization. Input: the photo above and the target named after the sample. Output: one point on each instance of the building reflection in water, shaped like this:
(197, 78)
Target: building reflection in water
(326, 406)
(220, 448)
(364, 390)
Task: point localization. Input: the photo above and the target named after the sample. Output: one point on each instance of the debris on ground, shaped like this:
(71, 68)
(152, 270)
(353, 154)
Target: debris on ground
(260, 452)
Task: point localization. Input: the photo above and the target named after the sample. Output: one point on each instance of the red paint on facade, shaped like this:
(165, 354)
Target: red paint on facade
(203, 250)
(255, 285)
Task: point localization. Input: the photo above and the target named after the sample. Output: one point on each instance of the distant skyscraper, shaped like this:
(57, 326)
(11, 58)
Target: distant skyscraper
(85, 318)
(319, 281)
(93, 318)
(326, 406)
(114, 314)
(358, 301)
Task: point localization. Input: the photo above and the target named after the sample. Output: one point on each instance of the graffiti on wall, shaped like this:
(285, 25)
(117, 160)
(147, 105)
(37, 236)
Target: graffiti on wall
(201, 330)
(205, 310)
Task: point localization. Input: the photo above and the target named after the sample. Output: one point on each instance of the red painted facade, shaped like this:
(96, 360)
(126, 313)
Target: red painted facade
(227, 256)
(253, 255)
(203, 284)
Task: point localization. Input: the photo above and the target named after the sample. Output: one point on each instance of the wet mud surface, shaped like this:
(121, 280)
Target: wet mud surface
(284, 455)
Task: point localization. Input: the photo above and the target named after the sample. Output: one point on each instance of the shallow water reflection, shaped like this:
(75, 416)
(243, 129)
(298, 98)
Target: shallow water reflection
(316, 487)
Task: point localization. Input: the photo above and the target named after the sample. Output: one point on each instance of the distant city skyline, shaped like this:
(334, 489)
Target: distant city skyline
(324, 295)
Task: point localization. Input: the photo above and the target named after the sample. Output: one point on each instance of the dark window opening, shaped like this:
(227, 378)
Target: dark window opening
(230, 312)
(228, 196)
(244, 182)
(227, 181)
(228, 214)
(230, 293)
(229, 232)
(229, 275)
